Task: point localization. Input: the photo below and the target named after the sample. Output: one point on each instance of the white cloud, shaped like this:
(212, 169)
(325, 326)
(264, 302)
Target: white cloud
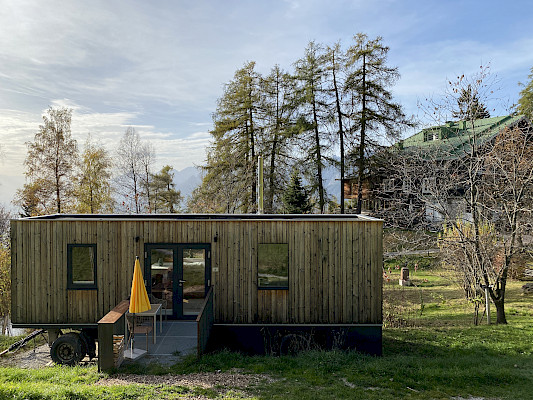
(18, 127)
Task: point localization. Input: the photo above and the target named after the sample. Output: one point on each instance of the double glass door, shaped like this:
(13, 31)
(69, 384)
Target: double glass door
(180, 275)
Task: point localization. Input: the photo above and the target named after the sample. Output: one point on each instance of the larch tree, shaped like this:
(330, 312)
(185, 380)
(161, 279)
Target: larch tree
(231, 162)
(335, 60)
(51, 165)
(93, 192)
(374, 114)
(277, 110)
(314, 139)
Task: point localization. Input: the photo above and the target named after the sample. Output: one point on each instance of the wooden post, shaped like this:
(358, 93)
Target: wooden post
(112, 323)
(260, 185)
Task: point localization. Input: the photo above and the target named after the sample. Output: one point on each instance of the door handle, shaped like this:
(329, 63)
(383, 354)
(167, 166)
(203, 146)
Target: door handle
(181, 281)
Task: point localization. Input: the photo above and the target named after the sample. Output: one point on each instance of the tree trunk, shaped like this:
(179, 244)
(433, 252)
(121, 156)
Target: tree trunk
(500, 311)
(318, 160)
(254, 168)
(361, 161)
(341, 132)
(270, 194)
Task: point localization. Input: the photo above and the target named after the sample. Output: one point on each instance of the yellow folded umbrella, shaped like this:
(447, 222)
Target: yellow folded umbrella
(139, 301)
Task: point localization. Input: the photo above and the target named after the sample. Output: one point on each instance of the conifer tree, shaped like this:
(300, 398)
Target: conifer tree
(374, 112)
(50, 165)
(335, 64)
(469, 107)
(277, 114)
(295, 197)
(310, 72)
(165, 197)
(231, 161)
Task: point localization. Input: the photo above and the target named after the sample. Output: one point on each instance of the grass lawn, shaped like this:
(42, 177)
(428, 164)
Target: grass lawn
(431, 351)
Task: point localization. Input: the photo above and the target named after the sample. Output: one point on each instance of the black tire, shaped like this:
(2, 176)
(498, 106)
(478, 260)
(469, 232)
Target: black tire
(67, 349)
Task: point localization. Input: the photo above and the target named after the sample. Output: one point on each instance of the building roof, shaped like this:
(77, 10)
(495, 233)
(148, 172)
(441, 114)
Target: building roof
(202, 217)
(454, 138)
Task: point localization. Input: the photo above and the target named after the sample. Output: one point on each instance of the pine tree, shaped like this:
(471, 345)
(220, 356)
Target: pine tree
(165, 197)
(295, 197)
(469, 107)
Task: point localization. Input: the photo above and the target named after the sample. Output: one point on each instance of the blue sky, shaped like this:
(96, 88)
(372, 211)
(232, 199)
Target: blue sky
(160, 65)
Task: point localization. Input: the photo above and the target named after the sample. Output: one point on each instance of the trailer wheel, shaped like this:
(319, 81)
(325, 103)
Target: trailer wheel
(67, 349)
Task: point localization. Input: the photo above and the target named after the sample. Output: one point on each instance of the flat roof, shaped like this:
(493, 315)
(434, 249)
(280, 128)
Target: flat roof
(203, 217)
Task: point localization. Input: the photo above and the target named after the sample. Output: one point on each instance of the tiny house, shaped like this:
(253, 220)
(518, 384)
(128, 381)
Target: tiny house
(275, 279)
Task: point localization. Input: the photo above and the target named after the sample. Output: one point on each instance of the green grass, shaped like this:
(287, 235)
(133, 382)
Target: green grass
(436, 353)
(79, 383)
(439, 353)
(6, 341)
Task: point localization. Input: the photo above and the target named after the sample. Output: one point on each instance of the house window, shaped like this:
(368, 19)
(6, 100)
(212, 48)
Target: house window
(406, 186)
(81, 266)
(429, 185)
(388, 185)
(430, 136)
(273, 266)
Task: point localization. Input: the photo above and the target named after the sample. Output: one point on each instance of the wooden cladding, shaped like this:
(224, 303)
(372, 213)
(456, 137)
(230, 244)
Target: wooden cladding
(335, 268)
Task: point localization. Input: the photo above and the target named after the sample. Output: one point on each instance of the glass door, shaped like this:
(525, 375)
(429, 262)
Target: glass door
(179, 275)
(192, 281)
(159, 272)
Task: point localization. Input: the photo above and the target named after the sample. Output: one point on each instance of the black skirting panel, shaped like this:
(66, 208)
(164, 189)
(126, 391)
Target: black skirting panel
(291, 339)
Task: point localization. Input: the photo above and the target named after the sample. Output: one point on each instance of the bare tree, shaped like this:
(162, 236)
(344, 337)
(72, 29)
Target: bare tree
(147, 161)
(130, 170)
(471, 177)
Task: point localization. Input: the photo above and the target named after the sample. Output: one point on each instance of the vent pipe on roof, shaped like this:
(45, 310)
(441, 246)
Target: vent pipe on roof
(260, 185)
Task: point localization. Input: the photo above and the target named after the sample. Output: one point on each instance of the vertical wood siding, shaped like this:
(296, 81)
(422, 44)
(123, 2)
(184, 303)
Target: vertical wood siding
(335, 268)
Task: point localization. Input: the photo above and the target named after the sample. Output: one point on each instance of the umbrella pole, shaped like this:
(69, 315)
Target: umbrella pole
(132, 336)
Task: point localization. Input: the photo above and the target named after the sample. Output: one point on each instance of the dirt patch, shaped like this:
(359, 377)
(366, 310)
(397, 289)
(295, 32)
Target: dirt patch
(207, 380)
(30, 357)
(221, 382)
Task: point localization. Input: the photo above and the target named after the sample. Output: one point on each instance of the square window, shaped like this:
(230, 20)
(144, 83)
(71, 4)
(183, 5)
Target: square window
(273, 266)
(81, 266)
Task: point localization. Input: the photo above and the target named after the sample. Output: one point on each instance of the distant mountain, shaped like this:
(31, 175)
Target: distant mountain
(331, 184)
(190, 178)
(187, 180)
